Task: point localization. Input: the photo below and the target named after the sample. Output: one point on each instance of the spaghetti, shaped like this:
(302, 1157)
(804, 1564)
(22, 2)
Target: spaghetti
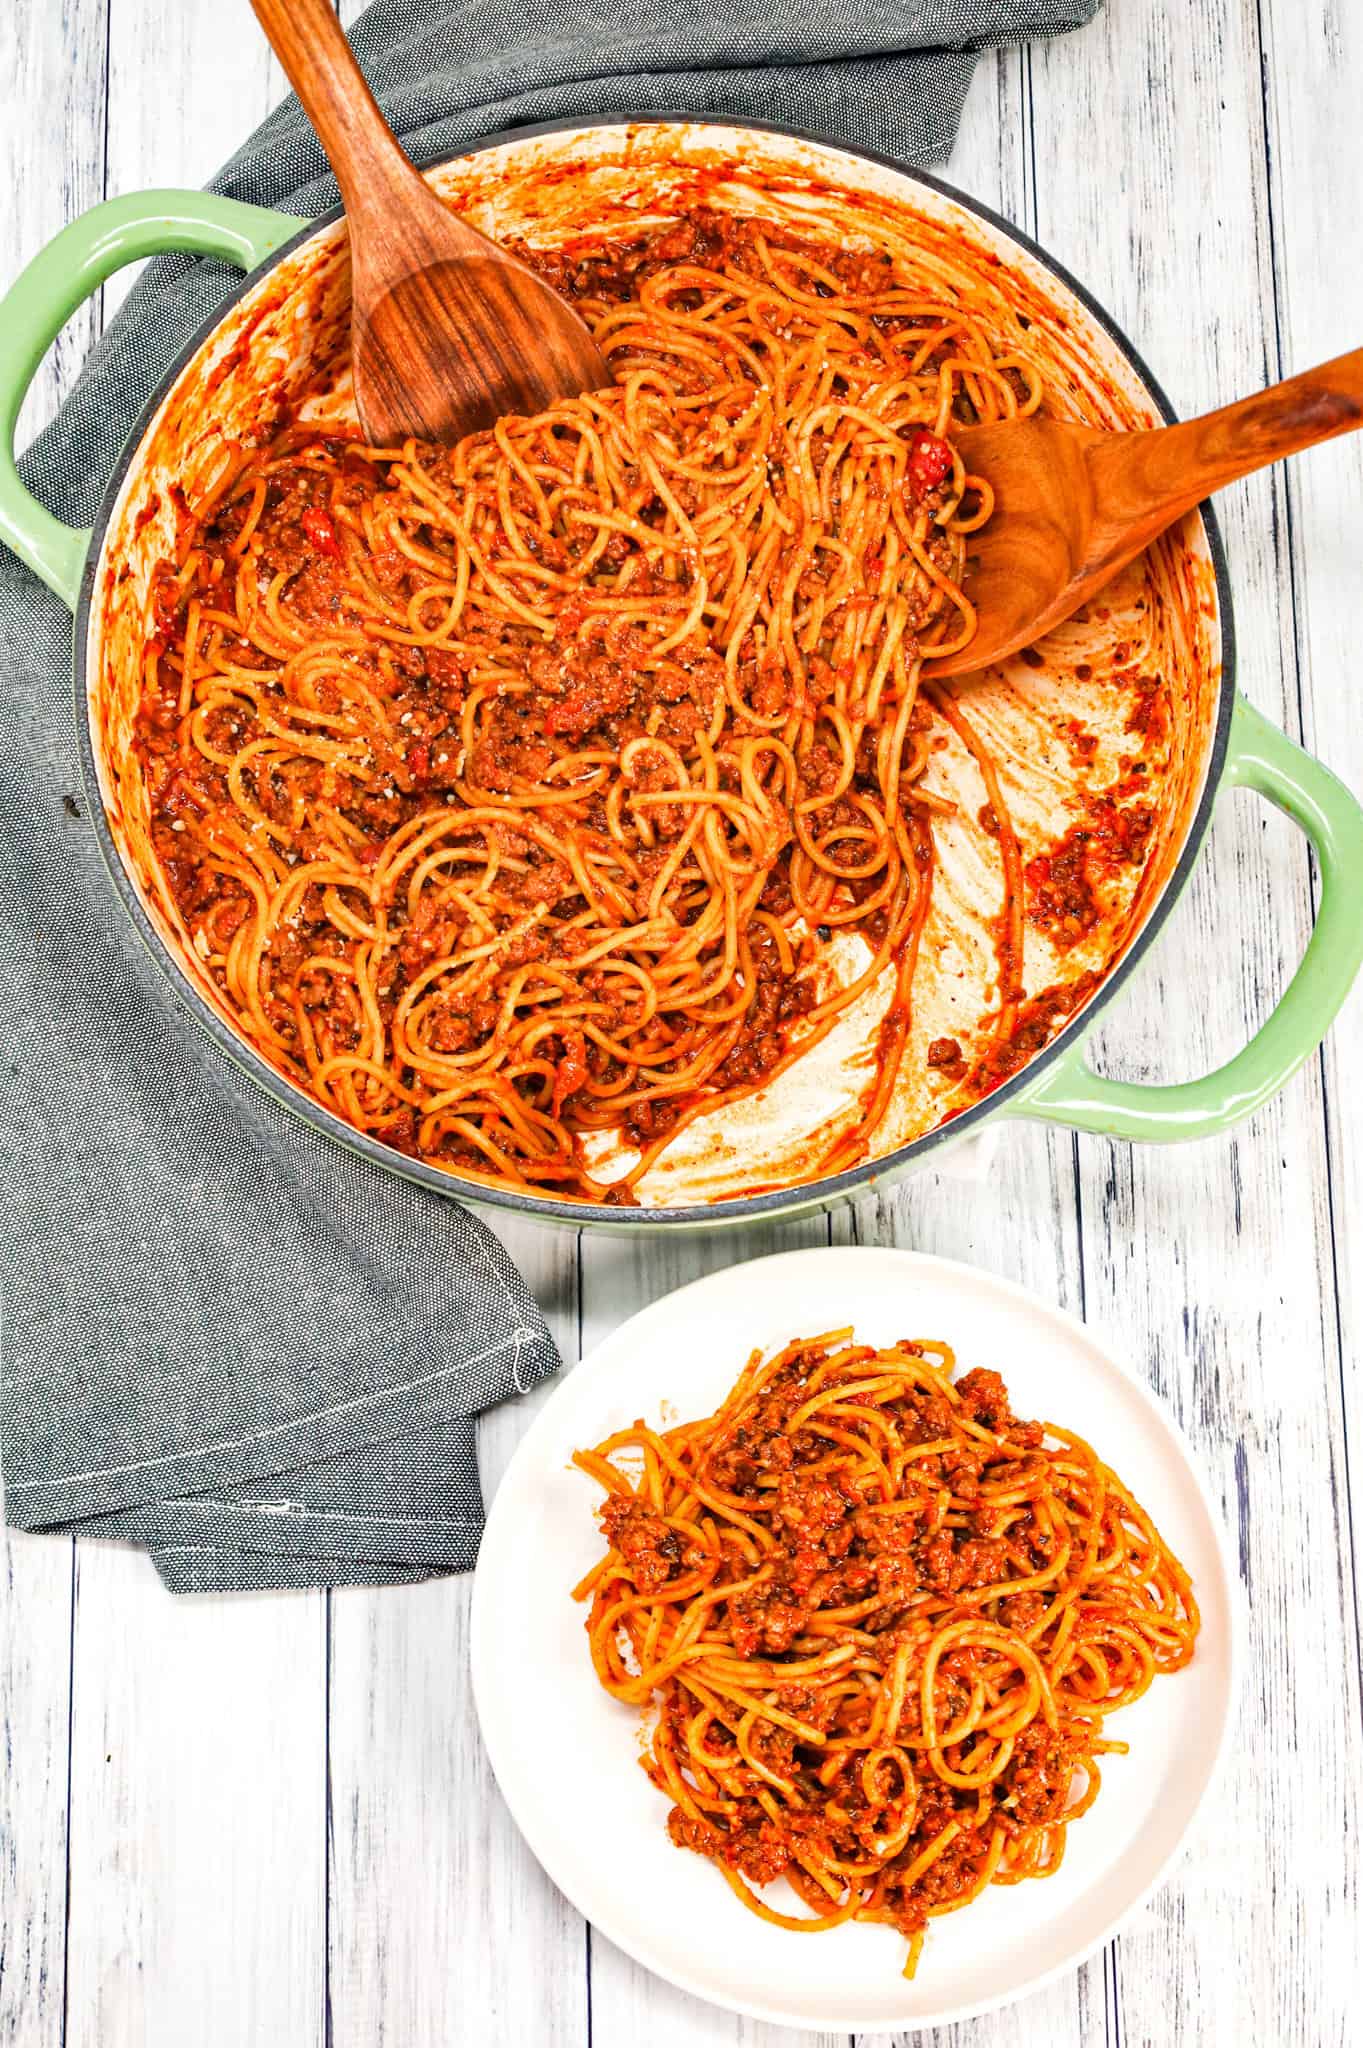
(883, 1622)
(515, 792)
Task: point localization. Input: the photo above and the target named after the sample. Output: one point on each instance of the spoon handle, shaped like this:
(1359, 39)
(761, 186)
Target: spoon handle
(320, 66)
(1149, 480)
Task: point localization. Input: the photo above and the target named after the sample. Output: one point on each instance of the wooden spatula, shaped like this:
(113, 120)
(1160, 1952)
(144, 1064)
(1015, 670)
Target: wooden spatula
(449, 332)
(1073, 505)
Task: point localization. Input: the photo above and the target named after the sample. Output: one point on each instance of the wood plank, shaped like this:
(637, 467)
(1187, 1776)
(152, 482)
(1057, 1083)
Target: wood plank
(509, 1909)
(1313, 81)
(36, 1593)
(442, 1925)
(52, 87)
(51, 166)
(197, 1813)
(220, 77)
(1030, 1176)
(1204, 1266)
(198, 1791)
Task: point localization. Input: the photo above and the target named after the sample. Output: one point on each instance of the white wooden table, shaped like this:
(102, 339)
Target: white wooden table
(268, 1820)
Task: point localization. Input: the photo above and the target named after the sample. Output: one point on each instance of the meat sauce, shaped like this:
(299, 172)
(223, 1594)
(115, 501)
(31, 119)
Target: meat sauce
(320, 487)
(1066, 893)
(882, 1619)
(832, 1552)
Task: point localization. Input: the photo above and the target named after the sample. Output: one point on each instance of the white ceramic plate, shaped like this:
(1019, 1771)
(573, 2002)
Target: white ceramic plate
(566, 1754)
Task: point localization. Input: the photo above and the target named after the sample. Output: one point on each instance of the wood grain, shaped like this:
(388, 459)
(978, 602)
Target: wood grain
(214, 80)
(443, 1926)
(197, 1886)
(53, 84)
(36, 1596)
(1073, 504)
(450, 332)
(1206, 1266)
(502, 1958)
(1318, 304)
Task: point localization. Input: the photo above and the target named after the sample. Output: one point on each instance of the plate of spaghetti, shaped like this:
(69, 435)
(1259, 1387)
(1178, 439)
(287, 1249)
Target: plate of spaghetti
(853, 1636)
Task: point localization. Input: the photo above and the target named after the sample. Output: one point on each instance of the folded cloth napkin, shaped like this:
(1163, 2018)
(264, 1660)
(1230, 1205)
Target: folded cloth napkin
(225, 1337)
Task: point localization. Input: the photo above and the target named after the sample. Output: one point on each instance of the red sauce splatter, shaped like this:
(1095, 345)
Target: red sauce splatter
(1038, 1020)
(1063, 886)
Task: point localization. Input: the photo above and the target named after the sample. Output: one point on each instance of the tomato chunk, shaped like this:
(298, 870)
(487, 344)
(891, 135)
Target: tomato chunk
(320, 529)
(572, 1070)
(930, 463)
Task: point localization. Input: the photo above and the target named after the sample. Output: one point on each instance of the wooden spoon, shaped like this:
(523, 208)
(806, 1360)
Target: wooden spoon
(448, 332)
(1073, 505)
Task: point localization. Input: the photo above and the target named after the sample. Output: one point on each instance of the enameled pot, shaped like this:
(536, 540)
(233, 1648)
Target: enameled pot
(261, 352)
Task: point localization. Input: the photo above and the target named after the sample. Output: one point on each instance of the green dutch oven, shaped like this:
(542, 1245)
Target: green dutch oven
(293, 291)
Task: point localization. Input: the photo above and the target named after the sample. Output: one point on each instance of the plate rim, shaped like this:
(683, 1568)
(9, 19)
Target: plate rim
(597, 1363)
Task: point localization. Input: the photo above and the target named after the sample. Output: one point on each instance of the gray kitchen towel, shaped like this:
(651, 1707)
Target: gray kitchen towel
(225, 1337)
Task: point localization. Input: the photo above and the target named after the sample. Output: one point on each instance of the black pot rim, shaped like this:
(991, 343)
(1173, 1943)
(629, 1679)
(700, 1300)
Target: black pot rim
(808, 1195)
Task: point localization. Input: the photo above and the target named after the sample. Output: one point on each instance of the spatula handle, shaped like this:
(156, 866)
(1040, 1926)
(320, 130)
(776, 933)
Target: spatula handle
(1150, 479)
(320, 66)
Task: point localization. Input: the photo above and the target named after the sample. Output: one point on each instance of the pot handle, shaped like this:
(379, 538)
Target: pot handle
(1264, 759)
(40, 301)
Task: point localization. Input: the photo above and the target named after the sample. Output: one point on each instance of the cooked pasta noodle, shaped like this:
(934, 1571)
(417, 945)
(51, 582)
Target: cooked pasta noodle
(882, 1622)
(516, 792)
